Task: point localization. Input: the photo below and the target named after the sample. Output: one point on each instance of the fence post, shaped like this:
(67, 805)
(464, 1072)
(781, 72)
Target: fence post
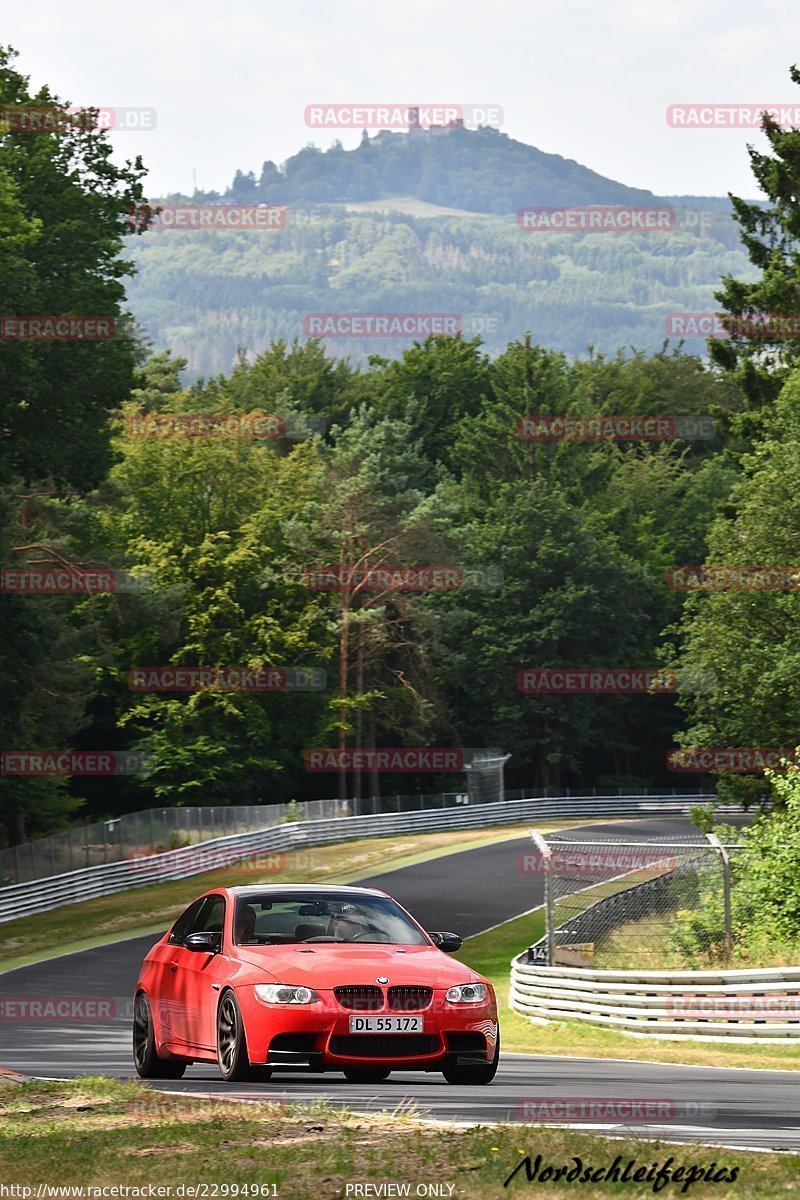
(717, 845)
(547, 854)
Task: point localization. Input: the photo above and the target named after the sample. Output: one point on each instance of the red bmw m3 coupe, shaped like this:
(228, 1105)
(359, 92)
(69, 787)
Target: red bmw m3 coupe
(320, 978)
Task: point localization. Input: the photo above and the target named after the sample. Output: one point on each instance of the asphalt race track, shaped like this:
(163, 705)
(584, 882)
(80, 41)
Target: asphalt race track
(467, 892)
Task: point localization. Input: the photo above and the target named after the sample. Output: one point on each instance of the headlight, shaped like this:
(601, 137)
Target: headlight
(466, 993)
(281, 993)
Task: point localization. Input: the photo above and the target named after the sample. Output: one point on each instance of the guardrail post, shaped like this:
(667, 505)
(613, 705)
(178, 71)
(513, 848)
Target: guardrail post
(547, 855)
(725, 859)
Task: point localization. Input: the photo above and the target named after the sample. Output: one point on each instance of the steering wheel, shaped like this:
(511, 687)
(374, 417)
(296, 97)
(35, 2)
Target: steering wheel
(324, 937)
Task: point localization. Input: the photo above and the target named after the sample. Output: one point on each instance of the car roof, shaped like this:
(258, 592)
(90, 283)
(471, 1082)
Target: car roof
(327, 889)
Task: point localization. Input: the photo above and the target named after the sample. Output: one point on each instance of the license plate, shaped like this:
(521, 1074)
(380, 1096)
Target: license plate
(386, 1024)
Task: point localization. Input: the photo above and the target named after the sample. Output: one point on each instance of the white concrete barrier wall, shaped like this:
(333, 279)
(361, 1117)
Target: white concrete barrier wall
(757, 1005)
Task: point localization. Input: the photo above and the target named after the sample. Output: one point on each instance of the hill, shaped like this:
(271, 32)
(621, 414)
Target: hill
(481, 170)
(425, 222)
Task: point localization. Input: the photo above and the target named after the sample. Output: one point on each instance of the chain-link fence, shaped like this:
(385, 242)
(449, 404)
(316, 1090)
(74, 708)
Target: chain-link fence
(158, 829)
(618, 897)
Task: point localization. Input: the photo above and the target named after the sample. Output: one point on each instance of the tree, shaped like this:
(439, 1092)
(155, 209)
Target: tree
(759, 359)
(63, 206)
(747, 640)
(203, 520)
(432, 387)
(365, 523)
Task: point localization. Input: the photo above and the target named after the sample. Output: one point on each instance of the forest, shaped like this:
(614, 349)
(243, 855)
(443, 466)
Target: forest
(379, 527)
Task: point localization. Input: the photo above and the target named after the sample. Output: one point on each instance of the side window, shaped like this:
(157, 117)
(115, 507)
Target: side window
(211, 916)
(184, 923)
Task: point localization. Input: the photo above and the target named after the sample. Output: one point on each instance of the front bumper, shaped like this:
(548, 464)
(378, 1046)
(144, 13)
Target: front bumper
(318, 1037)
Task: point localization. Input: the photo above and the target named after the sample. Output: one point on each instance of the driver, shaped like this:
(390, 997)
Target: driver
(347, 928)
(245, 923)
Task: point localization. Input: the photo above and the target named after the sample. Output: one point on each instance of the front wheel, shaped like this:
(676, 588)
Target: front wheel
(234, 1065)
(477, 1074)
(148, 1064)
(367, 1074)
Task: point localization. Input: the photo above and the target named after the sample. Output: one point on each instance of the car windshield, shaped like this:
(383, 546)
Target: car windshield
(271, 919)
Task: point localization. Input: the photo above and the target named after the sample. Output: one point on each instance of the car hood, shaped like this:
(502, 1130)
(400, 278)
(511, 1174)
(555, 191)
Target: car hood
(332, 965)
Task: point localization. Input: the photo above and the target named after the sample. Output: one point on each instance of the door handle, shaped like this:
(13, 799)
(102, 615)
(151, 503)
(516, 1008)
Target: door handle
(215, 986)
(173, 966)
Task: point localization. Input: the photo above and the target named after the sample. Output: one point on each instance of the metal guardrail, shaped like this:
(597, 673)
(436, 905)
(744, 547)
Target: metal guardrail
(105, 879)
(155, 829)
(759, 1005)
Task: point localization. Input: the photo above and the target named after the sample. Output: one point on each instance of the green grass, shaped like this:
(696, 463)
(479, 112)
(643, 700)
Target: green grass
(92, 1132)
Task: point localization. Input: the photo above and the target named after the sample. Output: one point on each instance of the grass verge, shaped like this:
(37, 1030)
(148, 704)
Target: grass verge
(94, 1133)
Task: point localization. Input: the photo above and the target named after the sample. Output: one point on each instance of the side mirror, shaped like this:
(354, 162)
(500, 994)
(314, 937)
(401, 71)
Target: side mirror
(203, 943)
(449, 942)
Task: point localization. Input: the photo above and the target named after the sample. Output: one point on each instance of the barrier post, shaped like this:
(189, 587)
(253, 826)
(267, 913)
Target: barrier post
(725, 859)
(547, 855)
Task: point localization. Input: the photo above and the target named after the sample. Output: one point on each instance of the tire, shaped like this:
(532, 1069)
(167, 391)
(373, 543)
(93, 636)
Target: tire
(234, 1065)
(367, 1074)
(148, 1064)
(473, 1075)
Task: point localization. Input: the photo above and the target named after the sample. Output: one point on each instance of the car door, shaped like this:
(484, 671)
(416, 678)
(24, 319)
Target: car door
(200, 978)
(165, 999)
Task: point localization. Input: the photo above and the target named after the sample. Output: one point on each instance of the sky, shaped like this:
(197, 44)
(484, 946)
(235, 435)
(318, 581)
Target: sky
(591, 81)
